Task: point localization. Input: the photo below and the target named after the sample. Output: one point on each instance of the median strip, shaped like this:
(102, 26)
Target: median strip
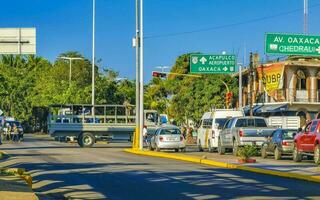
(210, 162)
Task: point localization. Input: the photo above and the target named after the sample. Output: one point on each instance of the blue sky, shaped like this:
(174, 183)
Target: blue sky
(65, 25)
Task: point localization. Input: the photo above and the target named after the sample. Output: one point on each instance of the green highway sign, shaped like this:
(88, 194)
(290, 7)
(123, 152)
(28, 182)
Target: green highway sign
(212, 64)
(292, 44)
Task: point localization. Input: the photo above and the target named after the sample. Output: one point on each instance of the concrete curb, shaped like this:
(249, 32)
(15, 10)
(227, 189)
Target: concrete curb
(224, 165)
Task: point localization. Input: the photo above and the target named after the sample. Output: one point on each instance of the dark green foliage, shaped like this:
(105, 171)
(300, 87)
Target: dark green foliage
(28, 82)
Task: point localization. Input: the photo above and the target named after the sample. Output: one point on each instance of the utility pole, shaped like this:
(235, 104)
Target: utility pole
(250, 99)
(141, 111)
(137, 46)
(240, 85)
(305, 14)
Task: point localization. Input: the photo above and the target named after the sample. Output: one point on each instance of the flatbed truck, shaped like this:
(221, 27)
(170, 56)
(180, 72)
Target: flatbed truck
(88, 124)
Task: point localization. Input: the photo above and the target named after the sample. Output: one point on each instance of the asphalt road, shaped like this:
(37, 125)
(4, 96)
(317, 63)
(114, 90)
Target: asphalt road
(65, 171)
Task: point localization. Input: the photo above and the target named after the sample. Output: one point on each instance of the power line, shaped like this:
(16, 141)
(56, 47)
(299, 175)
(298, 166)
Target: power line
(228, 25)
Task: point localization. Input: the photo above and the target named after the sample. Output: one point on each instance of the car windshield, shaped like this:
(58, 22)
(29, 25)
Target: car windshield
(221, 122)
(170, 132)
(288, 134)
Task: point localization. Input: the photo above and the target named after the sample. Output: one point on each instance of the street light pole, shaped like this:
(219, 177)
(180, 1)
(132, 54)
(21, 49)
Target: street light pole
(70, 64)
(137, 46)
(93, 54)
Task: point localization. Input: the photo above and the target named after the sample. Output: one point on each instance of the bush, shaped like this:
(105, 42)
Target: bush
(246, 151)
(1, 155)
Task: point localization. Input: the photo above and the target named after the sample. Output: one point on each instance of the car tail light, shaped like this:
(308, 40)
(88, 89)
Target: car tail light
(241, 133)
(161, 138)
(181, 138)
(213, 134)
(285, 143)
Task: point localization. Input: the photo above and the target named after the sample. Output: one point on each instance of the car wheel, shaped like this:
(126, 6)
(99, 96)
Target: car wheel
(87, 140)
(176, 150)
(221, 150)
(199, 147)
(296, 155)
(210, 148)
(316, 156)
(235, 148)
(277, 154)
(264, 152)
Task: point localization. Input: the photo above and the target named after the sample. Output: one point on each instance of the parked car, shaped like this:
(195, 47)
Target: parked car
(240, 131)
(168, 137)
(211, 125)
(279, 143)
(307, 142)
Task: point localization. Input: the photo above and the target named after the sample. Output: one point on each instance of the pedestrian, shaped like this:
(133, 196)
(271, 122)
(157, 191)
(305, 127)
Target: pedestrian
(15, 133)
(8, 132)
(145, 134)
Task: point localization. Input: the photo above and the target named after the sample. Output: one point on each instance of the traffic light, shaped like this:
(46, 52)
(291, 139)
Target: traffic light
(228, 99)
(159, 74)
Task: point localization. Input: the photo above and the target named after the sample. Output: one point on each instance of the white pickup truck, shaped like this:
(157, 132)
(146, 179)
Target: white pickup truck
(240, 131)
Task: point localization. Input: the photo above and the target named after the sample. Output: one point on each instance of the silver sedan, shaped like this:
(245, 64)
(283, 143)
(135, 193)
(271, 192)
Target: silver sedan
(168, 138)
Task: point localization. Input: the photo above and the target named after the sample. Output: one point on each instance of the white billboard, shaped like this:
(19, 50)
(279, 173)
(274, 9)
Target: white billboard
(17, 40)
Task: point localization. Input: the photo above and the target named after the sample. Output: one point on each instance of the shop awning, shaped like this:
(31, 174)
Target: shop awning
(246, 109)
(272, 108)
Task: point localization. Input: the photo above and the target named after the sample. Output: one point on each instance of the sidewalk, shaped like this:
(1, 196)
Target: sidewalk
(305, 170)
(14, 188)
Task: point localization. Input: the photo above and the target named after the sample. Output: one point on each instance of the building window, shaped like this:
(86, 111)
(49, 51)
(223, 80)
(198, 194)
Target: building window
(301, 80)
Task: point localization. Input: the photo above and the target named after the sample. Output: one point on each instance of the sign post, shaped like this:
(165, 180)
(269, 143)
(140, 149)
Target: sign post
(212, 64)
(292, 44)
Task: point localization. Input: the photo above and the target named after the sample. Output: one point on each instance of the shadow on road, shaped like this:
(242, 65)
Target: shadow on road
(144, 181)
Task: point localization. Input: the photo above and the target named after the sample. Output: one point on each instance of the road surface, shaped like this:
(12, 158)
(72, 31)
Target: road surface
(65, 171)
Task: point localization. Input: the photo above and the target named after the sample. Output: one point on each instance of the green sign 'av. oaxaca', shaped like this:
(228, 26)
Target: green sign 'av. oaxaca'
(212, 64)
(292, 44)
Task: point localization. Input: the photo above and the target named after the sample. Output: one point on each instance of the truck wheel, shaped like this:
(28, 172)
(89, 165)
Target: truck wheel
(316, 156)
(264, 152)
(277, 154)
(199, 146)
(234, 148)
(296, 155)
(221, 150)
(87, 140)
(210, 148)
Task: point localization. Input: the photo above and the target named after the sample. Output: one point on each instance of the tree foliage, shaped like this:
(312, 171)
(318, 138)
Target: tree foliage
(28, 82)
(187, 98)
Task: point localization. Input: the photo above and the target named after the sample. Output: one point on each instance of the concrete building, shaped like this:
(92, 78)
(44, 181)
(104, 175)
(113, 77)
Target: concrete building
(285, 88)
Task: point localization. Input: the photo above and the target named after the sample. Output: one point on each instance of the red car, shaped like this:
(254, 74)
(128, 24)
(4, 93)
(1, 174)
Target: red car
(307, 142)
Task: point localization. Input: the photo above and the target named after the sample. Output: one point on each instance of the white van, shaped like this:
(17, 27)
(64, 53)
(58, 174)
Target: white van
(211, 125)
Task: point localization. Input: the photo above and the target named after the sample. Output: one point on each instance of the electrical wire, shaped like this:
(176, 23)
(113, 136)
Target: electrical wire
(227, 25)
